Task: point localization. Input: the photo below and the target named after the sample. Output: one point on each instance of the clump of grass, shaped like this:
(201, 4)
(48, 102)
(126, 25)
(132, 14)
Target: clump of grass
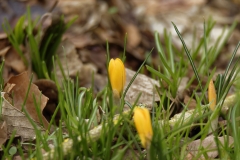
(41, 49)
(85, 133)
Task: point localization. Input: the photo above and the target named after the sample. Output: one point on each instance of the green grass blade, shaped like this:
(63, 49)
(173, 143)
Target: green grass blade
(190, 59)
(205, 47)
(135, 75)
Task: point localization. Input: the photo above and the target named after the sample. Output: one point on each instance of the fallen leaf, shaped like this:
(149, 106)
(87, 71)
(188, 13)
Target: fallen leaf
(19, 92)
(13, 60)
(3, 35)
(17, 157)
(96, 56)
(4, 51)
(209, 145)
(8, 87)
(134, 37)
(69, 54)
(49, 89)
(190, 102)
(142, 84)
(81, 41)
(69, 60)
(3, 133)
(17, 121)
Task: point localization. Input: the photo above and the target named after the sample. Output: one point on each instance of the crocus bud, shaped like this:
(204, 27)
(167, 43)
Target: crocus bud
(212, 95)
(143, 125)
(117, 76)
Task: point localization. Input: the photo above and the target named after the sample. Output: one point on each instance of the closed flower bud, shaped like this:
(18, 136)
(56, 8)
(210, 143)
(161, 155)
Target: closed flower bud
(143, 125)
(117, 76)
(212, 95)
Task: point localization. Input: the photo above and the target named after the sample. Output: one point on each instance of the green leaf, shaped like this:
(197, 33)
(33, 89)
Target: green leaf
(12, 150)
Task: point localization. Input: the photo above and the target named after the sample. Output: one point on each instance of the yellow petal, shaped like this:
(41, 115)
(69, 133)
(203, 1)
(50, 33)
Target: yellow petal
(212, 95)
(117, 75)
(143, 125)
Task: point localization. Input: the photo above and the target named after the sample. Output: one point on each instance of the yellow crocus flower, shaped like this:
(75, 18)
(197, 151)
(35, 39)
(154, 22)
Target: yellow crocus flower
(212, 95)
(143, 125)
(117, 76)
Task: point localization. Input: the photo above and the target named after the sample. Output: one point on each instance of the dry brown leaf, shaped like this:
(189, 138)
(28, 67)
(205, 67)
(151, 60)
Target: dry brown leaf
(81, 41)
(3, 35)
(142, 84)
(134, 37)
(17, 157)
(69, 60)
(72, 65)
(13, 60)
(17, 121)
(3, 133)
(106, 35)
(8, 87)
(17, 65)
(74, 6)
(19, 92)
(49, 89)
(190, 102)
(208, 144)
(95, 56)
(166, 6)
(4, 51)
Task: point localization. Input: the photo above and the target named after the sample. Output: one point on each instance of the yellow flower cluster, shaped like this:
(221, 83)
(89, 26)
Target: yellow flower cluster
(142, 121)
(117, 77)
